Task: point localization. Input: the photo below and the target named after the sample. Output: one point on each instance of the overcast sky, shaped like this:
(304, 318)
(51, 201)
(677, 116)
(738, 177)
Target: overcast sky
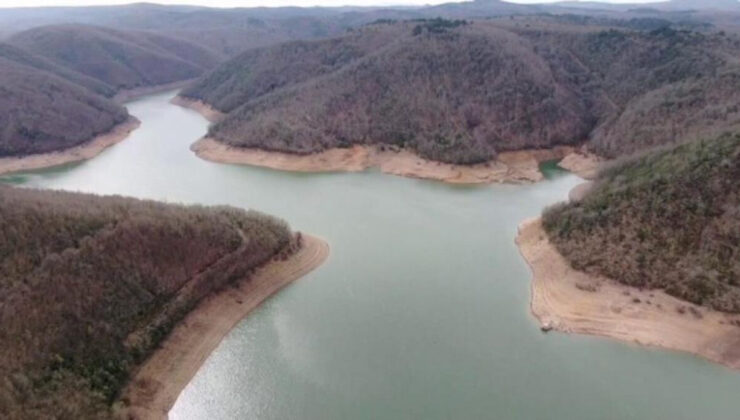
(253, 3)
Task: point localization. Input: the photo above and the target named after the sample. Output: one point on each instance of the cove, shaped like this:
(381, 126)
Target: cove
(421, 311)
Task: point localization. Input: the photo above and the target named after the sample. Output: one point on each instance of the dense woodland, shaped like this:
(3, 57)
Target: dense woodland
(41, 112)
(122, 60)
(56, 82)
(572, 57)
(668, 219)
(462, 91)
(91, 285)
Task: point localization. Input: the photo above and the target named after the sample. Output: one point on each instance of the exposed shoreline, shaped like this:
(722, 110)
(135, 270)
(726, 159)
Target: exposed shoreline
(136, 93)
(582, 163)
(572, 301)
(157, 383)
(208, 112)
(75, 154)
(509, 167)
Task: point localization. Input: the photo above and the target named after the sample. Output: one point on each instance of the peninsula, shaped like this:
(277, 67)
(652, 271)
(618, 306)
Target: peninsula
(162, 285)
(649, 254)
(464, 93)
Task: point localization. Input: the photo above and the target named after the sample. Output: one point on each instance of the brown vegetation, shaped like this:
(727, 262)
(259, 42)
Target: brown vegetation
(461, 92)
(122, 60)
(91, 285)
(459, 96)
(40, 112)
(668, 220)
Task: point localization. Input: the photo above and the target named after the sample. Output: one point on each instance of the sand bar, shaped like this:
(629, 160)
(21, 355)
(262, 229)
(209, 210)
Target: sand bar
(75, 154)
(572, 301)
(155, 386)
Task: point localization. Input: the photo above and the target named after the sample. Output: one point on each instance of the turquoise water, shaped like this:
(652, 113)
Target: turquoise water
(421, 311)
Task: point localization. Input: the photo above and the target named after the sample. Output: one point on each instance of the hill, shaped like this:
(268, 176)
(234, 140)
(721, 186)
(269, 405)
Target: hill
(460, 92)
(91, 285)
(26, 58)
(41, 112)
(122, 60)
(222, 31)
(260, 71)
(666, 220)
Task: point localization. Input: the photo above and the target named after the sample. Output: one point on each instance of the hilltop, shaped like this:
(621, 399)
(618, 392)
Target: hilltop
(41, 112)
(27, 58)
(121, 60)
(666, 220)
(464, 91)
(91, 286)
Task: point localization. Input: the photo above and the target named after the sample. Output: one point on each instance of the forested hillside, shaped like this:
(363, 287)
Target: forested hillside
(461, 91)
(260, 71)
(222, 31)
(667, 220)
(21, 56)
(122, 60)
(40, 112)
(650, 87)
(91, 285)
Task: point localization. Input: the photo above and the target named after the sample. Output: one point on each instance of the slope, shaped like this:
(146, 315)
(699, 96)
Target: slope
(123, 60)
(40, 112)
(91, 285)
(666, 220)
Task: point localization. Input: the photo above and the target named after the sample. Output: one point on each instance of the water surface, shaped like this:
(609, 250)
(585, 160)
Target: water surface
(421, 311)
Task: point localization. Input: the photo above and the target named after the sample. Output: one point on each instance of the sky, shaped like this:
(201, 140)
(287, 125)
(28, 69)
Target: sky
(254, 3)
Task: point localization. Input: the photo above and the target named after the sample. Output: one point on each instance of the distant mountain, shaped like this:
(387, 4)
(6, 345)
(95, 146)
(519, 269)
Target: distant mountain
(41, 112)
(260, 71)
(24, 57)
(673, 5)
(232, 31)
(122, 60)
(222, 31)
(666, 220)
(461, 92)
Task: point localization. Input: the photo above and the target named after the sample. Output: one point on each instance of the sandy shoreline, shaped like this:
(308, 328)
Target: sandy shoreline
(582, 163)
(571, 301)
(509, 167)
(74, 154)
(208, 112)
(156, 385)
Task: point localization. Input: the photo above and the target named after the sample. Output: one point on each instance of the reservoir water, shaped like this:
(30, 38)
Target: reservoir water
(421, 311)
